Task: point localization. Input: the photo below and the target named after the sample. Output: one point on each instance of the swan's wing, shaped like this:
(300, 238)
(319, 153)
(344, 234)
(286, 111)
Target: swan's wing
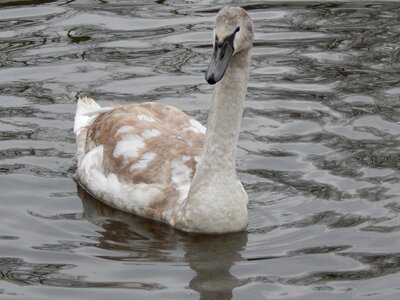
(141, 158)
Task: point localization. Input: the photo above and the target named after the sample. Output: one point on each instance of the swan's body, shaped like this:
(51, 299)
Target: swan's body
(154, 160)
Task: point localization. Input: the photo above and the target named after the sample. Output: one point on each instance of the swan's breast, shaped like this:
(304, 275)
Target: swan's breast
(149, 144)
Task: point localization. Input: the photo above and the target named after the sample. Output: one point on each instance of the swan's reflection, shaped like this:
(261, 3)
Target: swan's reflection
(211, 257)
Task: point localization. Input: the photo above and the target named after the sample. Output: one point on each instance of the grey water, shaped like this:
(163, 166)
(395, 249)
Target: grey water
(319, 150)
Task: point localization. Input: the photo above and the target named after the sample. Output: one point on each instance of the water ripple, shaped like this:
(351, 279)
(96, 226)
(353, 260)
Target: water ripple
(318, 151)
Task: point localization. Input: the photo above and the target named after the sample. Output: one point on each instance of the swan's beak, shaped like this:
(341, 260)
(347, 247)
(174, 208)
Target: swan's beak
(219, 63)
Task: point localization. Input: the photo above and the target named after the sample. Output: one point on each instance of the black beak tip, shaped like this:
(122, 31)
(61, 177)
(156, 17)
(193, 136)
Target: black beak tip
(211, 79)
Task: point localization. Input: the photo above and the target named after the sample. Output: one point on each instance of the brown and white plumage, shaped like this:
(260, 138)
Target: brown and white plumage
(154, 160)
(154, 147)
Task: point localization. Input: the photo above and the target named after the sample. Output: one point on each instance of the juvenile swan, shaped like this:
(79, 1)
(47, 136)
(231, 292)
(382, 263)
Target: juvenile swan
(154, 160)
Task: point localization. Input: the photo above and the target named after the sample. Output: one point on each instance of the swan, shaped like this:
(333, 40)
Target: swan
(155, 161)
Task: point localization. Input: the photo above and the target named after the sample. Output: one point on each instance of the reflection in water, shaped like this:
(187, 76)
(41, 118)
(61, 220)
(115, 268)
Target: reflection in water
(210, 256)
(20, 272)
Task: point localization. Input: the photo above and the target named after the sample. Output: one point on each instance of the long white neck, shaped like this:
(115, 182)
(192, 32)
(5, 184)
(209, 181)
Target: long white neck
(225, 116)
(217, 201)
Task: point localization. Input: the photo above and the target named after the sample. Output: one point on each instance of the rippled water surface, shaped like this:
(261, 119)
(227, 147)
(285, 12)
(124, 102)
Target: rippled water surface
(319, 151)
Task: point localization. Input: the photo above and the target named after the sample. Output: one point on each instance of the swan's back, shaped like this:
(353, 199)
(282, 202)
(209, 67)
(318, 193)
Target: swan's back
(145, 154)
(139, 139)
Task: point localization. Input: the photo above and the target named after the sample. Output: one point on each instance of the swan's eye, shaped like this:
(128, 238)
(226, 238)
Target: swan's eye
(237, 29)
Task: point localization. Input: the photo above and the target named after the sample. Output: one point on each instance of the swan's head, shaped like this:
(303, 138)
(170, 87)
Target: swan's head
(233, 33)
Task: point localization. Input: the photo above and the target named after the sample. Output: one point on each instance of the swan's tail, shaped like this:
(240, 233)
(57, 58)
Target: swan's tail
(86, 112)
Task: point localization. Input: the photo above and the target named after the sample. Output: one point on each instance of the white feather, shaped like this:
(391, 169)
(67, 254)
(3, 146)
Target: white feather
(143, 161)
(181, 179)
(126, 196)
(82, 120)
(129, 146)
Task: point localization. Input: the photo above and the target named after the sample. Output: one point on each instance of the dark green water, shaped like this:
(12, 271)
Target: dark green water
(319, 151)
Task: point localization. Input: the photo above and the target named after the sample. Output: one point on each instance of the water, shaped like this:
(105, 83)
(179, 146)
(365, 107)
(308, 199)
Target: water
(318, 153)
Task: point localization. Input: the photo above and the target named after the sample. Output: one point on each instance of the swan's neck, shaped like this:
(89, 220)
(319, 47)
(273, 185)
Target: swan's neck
(225, 115)
(217, 201)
